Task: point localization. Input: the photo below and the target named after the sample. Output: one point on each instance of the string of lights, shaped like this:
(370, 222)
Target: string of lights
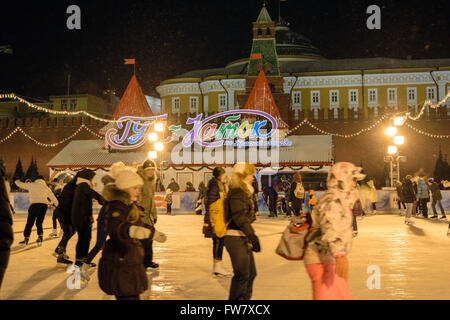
(431, 135)
(431, 105)
(49, 145)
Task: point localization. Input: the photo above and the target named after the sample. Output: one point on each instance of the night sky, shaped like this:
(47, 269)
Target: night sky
(170, 37)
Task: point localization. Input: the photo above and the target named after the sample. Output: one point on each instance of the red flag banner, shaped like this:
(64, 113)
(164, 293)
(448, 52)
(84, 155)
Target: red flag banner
(254, 56)
(130, 61)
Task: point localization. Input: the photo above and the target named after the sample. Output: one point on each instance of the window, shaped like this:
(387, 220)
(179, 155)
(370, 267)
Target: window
(353, 97)
(315, 97)
(373, 99)
(268, 31)
(175, 105)
(259, 32)
(64, 104)
(334, 97)
(297, 100)
(73, 104)
(411, 96)
(193, 104)
(392, 97)
(431, 94)
(205, 105)
(51, 106)
(222, 102)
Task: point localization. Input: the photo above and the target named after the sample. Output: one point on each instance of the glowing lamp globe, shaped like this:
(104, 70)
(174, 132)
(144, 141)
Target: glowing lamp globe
(399, 140)
(152, 136)
(159, 146)
(398, 121)
(392, 149)
(391, 131)
(152, 155)
(159, 127)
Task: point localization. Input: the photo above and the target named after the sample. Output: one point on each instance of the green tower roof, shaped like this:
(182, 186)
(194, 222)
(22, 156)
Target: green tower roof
(264, 15)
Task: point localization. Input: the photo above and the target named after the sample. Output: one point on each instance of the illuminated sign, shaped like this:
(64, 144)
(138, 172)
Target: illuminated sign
(204, 132)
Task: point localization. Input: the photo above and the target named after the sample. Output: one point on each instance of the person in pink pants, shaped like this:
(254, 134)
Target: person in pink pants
(330, 239)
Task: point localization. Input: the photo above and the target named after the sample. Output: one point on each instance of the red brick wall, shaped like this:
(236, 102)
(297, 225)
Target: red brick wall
(19, 146)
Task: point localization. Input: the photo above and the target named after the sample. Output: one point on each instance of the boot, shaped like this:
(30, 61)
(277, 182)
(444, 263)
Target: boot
(24, 242)
(39, 240)
(54, 233)
(61, 259)
(219, 270)
(84, 272)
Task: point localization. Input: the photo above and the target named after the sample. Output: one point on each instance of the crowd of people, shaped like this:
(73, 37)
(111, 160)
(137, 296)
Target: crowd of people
(126, 223)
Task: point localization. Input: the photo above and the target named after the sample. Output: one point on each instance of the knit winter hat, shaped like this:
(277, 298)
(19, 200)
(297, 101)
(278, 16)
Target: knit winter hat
(148, 164)
(127, 179)
(86, 174)
(116, 168)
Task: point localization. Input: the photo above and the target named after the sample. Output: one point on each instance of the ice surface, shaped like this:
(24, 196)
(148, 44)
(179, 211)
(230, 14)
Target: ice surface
(413, 263)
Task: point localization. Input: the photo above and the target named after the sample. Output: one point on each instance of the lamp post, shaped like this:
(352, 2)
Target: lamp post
(158, 146)
(394, 157)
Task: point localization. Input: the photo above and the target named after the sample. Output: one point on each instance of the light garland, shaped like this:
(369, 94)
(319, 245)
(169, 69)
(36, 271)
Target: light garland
(66, 113)
(430, 104)
(49, 145)
(436, 136)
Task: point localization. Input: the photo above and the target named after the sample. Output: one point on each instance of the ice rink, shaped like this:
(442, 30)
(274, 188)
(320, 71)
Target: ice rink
(412, 260)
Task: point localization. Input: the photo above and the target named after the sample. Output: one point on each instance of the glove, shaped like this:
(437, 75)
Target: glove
(255, 242)
(140, 233)
(159, 236)
(205, 228)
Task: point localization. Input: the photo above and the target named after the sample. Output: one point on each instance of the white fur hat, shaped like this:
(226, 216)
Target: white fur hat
(116, 168)
(127, 178)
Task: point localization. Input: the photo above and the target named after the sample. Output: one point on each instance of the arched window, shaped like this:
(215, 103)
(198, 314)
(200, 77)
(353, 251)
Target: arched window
(259, 32)
(268, 31)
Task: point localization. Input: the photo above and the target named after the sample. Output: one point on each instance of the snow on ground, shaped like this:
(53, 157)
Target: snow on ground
(413, 263)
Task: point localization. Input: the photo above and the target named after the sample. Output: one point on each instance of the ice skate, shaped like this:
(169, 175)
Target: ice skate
(54, 234)
(219, 270)
(39, 241)
(63, 261)
(354, 234)
(409, 221)
(152, 267)
(433, 217)
(84, 272)
(443, 218)
(24, 243)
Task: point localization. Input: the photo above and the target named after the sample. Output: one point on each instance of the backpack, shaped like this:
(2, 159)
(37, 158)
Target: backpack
(299, 191)
(217, 217)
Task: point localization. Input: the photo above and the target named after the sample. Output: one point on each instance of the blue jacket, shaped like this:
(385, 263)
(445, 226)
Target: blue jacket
(422, 190)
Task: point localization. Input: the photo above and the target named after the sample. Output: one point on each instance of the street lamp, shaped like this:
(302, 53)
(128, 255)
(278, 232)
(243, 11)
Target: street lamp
(159, 146)
(392, 150)
(399, 140)
(391, 131)
(398, 121)
(159, 127)
(153, 136)
(152, 155)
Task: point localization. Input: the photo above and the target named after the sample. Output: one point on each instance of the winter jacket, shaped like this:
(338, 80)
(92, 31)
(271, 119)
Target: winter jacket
(239, 209)
(422, 190)
(400, 193)
(82, 204)
(39, 191)
(64, 209)
(358, 209)
(147, 198)
(296, 202)
(373, 196)
(332, 235)
(408, 193)
(173, 186)
(121, 268)
(436, 192)
(212, 194)
(201, 192)
(6, 233)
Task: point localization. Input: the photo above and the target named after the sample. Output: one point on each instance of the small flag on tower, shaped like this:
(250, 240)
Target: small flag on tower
(130, 61)
(255, 56)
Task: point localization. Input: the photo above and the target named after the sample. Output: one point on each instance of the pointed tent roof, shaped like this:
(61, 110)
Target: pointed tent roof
(264, 15)
(133, 102)
(261, 98)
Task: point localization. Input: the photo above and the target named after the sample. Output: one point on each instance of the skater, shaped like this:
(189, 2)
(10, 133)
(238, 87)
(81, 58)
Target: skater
(168, 200)
(436, 198)
(101, 234)
(6, 221)
(147, 201)
(57, 190)
(400, 201)
(159, 186)
(82, 219)
(216, 190)
(423, 195)
(121, 270)
(40, 198)
(409, 197)
(240, 239)
(189, 187)
(296, 194)
(311, 200)
(357, 212)
(200, 205)
(373, 196)
(331, 237)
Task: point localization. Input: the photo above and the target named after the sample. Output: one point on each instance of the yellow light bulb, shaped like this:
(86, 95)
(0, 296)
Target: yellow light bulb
(391, 131)
(392, 149)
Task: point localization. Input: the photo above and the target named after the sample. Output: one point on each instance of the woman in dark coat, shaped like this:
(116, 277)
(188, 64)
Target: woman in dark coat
(400, 202)
(121, 269)
(240, 239)
(409, 197)
(296, 202)
(82, 219)
(6, 230)
(216, 189)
